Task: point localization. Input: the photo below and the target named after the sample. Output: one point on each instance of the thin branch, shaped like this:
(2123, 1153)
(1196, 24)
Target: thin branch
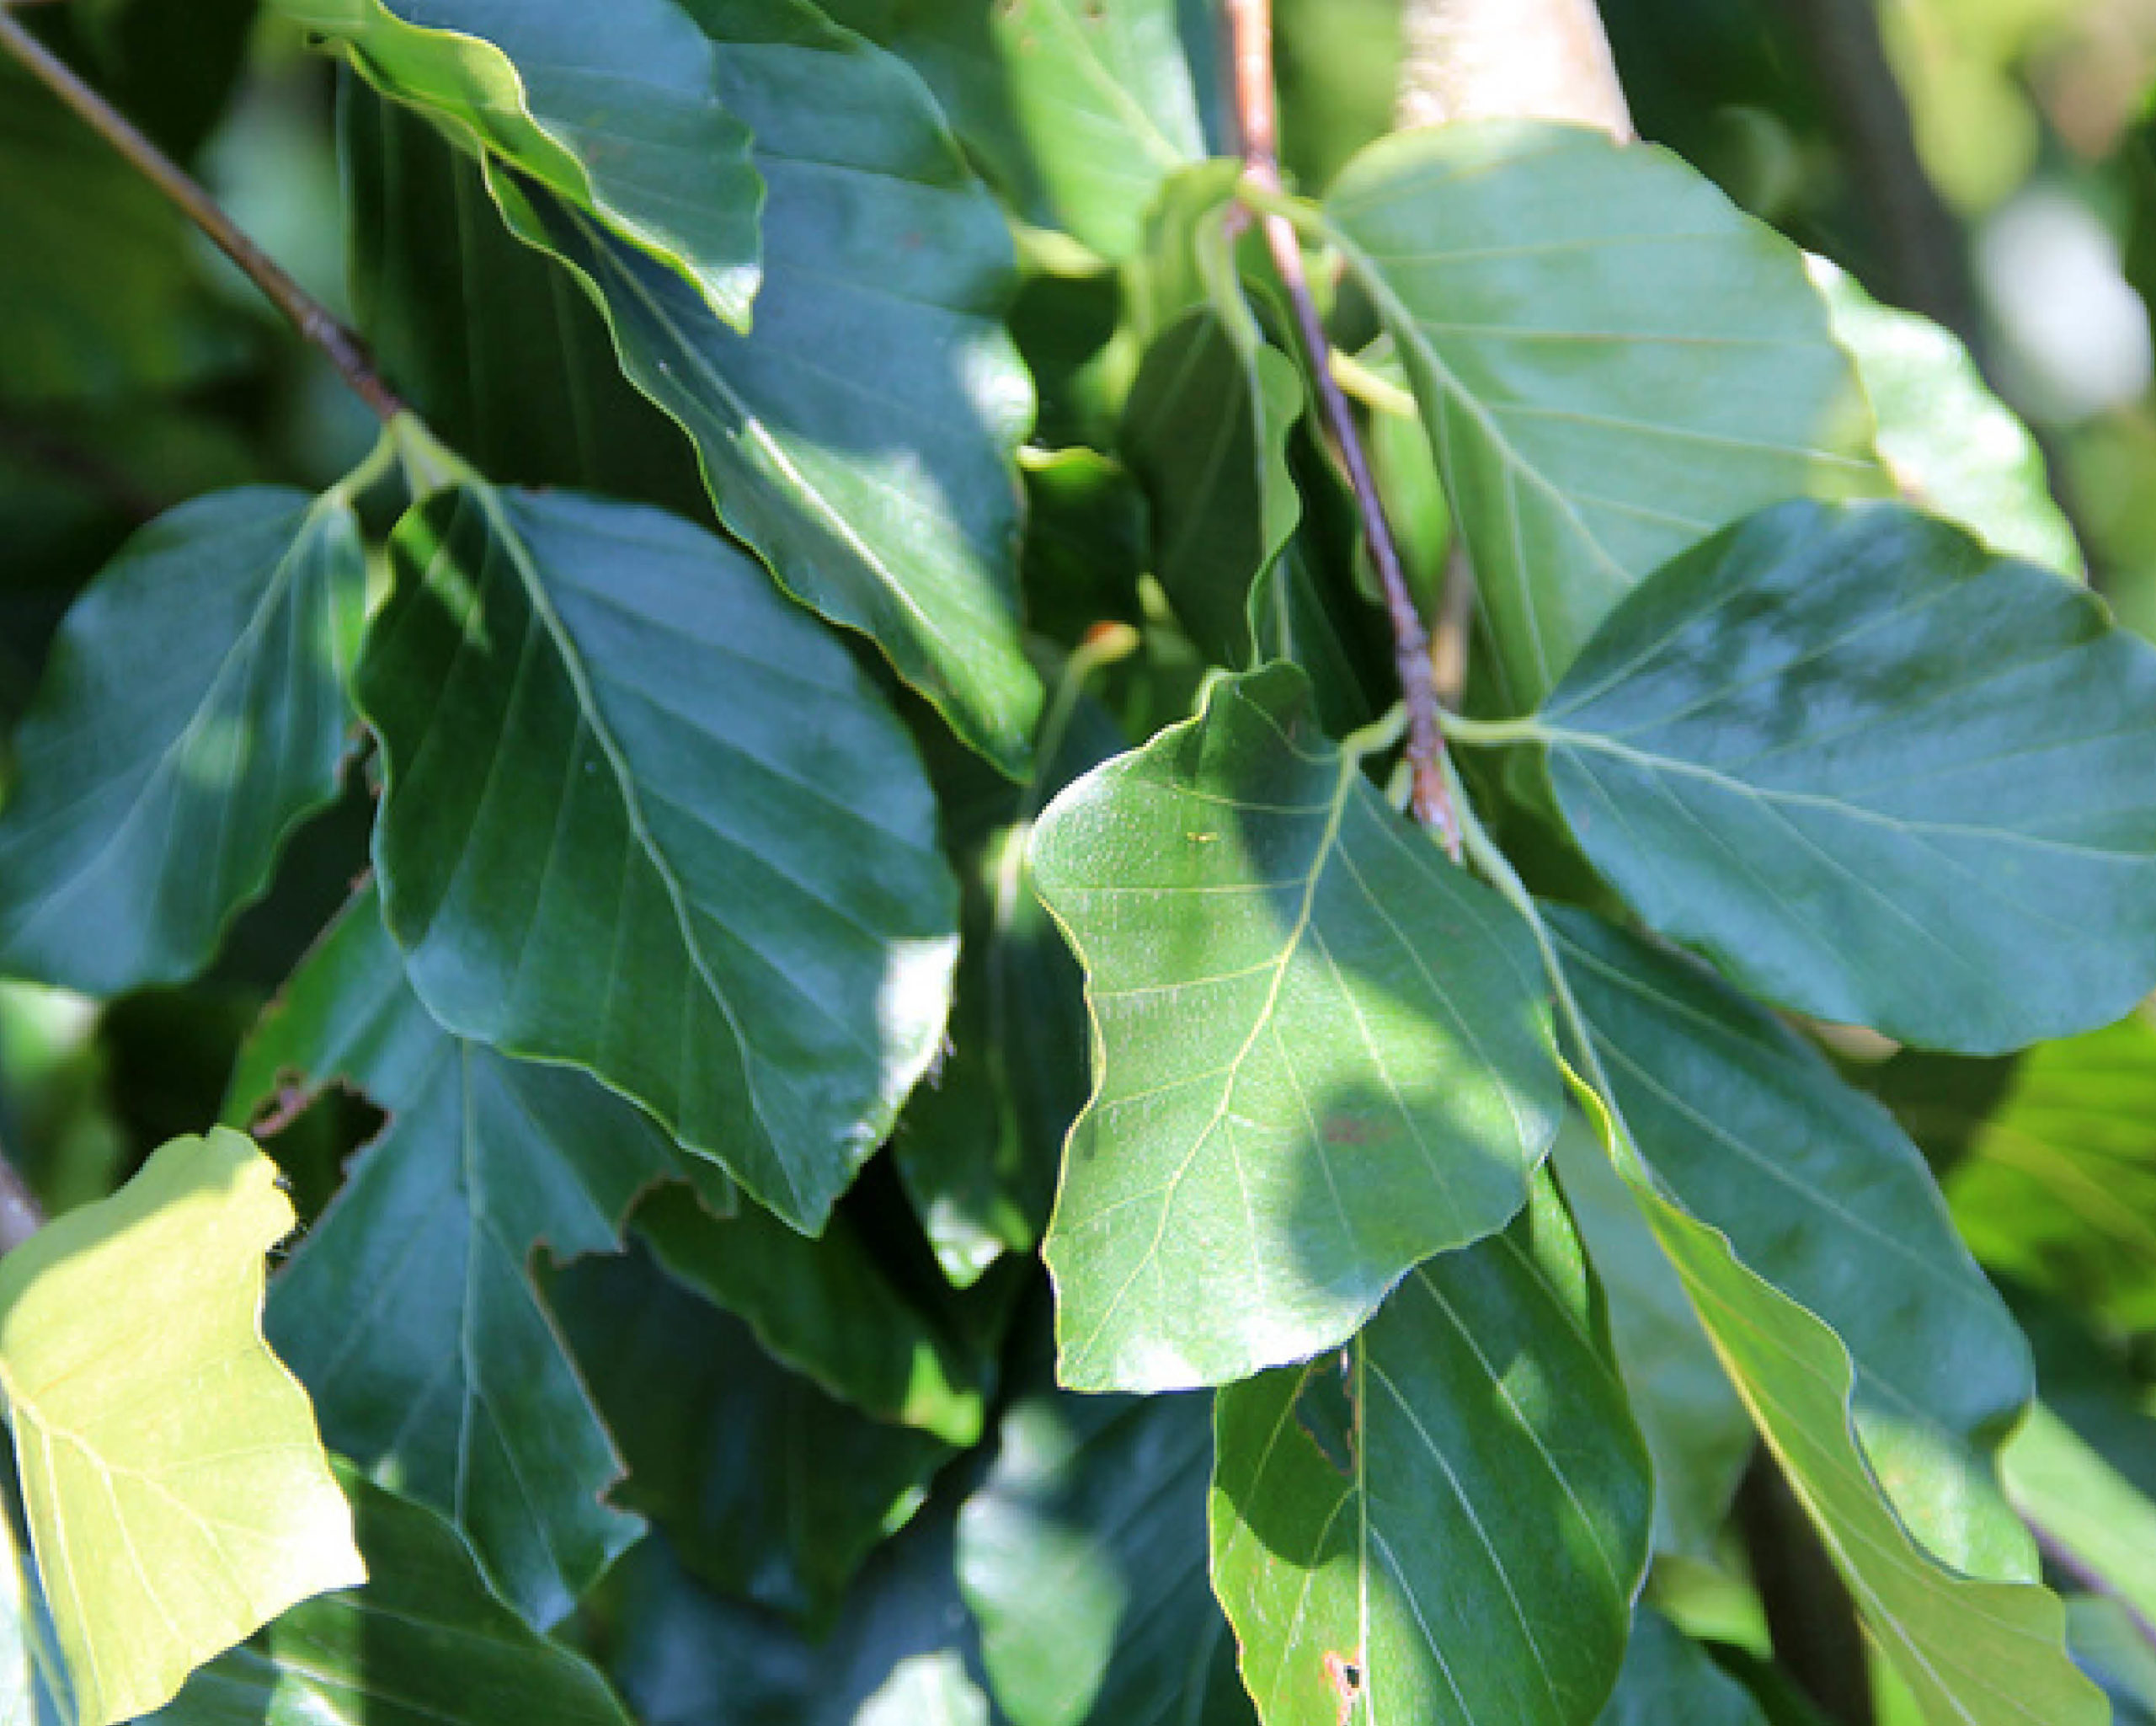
(307, 315)
(1250, 29)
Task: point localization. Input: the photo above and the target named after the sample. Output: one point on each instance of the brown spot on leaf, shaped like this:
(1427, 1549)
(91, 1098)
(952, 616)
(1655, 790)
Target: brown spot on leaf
(1346, 1677)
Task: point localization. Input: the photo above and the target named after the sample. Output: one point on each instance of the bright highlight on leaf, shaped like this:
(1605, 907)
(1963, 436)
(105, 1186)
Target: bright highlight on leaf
(178, 1497)
(1322, 1052)
(1877, 773)
(616, 107)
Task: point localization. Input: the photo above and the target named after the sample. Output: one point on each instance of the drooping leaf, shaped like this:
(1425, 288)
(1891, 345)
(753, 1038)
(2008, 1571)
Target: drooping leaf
(1082, 1556)
(863, 438)
(1206, 431)
(1077, 110)
(641, 815)
(1668, 1680)
(825, 1308)
(408, 1309)
(1447, 1520)
(1972, 1652)
(1321, 1052)
(1877, 774)
(424, 1644)
(2056, 1187)
(1819, 1193)
(1611, 359)
(1695, 1426)
(491, 344)
(617, 109)
(1951, 445)
(768, 1488)
(191, 716)
(161, 1541)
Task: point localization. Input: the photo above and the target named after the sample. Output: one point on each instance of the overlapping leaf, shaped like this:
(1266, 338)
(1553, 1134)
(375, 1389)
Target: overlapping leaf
(1321, 1052)
(1667, 1678)
(617, 108)
(1083, 1557)
(863, 438)
(1611, 359)
(1877, 774)
(1078, 110)
(2086, 1507)
(768, 1488)
(1820, 1194)
(192, 714)
(408, 1309)
(1446, 1521)
(642, 816)
(424, 1644)
(161, 1541)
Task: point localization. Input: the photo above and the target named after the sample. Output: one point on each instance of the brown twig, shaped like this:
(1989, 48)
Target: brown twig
(1251, 32)
(307, 315)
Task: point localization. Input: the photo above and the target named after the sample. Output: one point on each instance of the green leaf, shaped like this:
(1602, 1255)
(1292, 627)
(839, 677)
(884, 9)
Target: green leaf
(1446, 1521)
(1952, 447)
(493, 346)
(1106, 1495)
(2086, 1507)
(32, 1692)
(1668, 1678)
(1819, 1193)
(641, 815)
(1206, 431)
(618, 108)
(408, 1309)
(1611, 359)
(424, 1644)
(863, 439)
(162, 1542)
(825, 1308)
(2056, 1187)
(1077, 110)
(191, 716)
(1696, 1428)
(1321, 1053)
(768, 1488)
(1867, 766)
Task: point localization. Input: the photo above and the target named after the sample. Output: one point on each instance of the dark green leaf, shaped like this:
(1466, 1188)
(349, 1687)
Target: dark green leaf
(1323, 1053)
(1819, 1193)
(768, 1488)
(2056, 1187)
(618, 108)
(1083, 1557)
(491, 343)
(1446, 1521)
(170, 70)
(1612, 361)
(1669, 1680)
(1877, 774)
(408, 1309)
(1087, 542)
(825, 1308)
(641, 815)
(1078, 110)
(862, 439)
(424, 1644)
(192, 715)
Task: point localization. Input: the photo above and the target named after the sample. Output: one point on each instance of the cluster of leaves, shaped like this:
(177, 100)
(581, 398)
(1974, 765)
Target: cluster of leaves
(1432, 1241)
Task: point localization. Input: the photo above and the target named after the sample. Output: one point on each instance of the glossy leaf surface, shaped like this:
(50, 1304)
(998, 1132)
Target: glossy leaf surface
(1445, 1521)
(408, 1309)
(1820, 1193)
(160, 1542)
(1865, 767)
(617, 108)
(641, 815)
(424, 1644)
(1083, 1557)
(192, 714)
(863, 438)
(1321, 1052)
(1611, 359)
